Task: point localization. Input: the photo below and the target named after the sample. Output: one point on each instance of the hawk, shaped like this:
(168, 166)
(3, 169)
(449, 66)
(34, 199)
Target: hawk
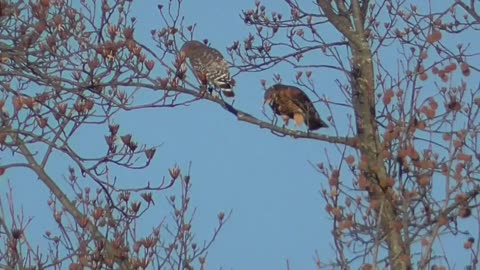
(292, 103)
(209, 66)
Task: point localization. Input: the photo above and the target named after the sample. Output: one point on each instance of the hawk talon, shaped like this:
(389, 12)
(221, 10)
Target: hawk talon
(203, 91)
(210, 89)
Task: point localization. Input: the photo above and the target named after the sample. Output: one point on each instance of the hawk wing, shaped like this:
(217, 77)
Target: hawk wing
(217, 68)
(304, 104)
(211, 64)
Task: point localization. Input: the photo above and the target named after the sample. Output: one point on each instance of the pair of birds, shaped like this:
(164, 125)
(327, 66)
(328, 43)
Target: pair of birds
(210, 67)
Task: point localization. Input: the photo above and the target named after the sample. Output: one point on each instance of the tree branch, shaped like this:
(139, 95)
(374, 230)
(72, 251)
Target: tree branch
(117, 254)
(342, 24)
(358, 19)
(469, 10)
(245, 117)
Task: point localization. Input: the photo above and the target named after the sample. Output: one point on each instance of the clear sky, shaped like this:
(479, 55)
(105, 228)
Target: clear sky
(267, 181)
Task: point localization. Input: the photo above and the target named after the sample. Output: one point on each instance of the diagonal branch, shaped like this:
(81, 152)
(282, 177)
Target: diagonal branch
(358, 18)
(470, 10)
(117, 254)
(245, 117)
(342, 24)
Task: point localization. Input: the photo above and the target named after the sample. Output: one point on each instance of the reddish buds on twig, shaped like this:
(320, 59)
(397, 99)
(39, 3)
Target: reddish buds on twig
(174, 173)
(147, 196)
(149, 153)
(17, 103)
(221, 216)
(136, 206)
(113, 129)
(149, 64)
(126, 139)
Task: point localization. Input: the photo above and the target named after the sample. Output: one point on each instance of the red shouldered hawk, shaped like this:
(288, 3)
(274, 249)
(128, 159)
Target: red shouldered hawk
(209, 65)
(292, 103)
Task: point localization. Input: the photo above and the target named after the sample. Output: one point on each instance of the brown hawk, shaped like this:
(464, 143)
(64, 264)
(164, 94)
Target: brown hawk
(292, 103)
(209, 66)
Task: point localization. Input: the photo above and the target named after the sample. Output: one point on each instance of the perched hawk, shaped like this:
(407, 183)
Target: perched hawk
(292, 103)
(209, 66)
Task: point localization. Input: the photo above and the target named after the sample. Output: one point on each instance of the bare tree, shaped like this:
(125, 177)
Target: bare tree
(409, 170)
(414, 151)
(66, 67)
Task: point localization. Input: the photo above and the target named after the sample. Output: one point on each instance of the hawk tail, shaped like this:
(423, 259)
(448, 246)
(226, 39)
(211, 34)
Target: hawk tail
(315, 122)
(226, 85)
(227, 90)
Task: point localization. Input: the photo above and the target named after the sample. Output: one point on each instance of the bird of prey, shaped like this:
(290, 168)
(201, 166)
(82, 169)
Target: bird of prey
(292, 103)
(209, 66)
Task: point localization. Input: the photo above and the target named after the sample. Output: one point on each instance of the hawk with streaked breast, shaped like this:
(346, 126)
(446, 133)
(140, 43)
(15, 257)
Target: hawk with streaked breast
(209, 66)
(292, 103)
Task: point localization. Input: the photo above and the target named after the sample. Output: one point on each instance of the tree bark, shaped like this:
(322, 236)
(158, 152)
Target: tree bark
(363, 101)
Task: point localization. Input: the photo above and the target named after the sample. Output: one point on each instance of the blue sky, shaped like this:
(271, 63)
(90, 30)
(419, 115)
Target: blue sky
(267, 181)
